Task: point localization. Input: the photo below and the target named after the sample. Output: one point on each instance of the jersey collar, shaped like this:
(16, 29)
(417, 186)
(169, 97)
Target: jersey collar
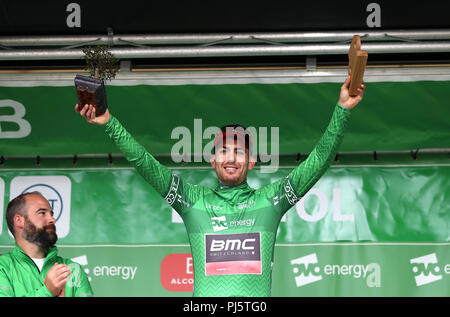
(222, 186)
(49, 252)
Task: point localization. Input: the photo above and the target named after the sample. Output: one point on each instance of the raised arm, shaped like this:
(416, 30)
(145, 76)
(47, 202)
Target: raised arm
(157, 175)
(286, 192)
(308, 173)
(168, 185)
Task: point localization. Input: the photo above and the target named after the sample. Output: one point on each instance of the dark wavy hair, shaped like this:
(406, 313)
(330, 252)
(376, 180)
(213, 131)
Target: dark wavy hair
(238, 129)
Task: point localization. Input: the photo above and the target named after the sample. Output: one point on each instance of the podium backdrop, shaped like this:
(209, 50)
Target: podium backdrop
(367, 228)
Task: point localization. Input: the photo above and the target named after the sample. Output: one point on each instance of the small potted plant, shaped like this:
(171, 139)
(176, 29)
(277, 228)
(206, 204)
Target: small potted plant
(102, 66)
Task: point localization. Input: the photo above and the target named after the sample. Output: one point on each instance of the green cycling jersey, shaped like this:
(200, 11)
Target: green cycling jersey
(232, 229)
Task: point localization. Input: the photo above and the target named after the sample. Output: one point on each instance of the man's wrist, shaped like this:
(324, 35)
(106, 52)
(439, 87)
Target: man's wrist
(45, 292)
(343, 107)
(109, 123)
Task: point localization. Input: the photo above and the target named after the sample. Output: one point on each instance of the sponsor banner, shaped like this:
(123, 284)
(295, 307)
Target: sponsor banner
(362, 269)
(200, 109)
(133, 271)
(129, 244)
(308, 270)
(117, 206)
(177, 272)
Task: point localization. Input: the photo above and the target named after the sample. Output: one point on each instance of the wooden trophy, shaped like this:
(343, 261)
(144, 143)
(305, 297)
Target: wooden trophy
(357, 60)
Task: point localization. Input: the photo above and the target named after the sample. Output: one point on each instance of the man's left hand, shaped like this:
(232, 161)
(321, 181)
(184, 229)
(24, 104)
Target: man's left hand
(347, 101)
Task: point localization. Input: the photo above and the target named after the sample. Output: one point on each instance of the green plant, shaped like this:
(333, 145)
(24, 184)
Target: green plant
(100, 62)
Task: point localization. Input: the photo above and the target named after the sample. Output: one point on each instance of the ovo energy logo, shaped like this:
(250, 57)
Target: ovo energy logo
(83, 261)
(307, 270)
(219, 223)
(426, 269)
(123, 272)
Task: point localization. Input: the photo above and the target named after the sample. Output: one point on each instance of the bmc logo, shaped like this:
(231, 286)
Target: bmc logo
(427, 270)
(56, 189)
(238, 253)
(177, 272)
(232, 245)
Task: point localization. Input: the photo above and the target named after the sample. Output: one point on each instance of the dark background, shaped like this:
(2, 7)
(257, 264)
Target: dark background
(47, 17)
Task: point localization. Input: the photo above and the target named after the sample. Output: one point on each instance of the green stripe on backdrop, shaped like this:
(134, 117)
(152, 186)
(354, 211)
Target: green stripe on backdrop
(393, 116)
(338, 269)
(383, 204)
(360, 231)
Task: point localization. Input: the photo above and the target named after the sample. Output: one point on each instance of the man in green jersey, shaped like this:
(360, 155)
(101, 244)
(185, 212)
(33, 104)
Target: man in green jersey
(33, 268)
(232, 227)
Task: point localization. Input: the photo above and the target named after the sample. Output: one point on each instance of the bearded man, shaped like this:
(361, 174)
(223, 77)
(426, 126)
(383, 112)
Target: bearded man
(33, 268)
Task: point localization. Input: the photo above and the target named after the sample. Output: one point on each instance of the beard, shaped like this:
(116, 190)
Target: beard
(44, 237)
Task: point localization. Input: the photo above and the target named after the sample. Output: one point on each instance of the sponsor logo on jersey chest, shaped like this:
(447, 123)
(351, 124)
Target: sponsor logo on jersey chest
(238, 253)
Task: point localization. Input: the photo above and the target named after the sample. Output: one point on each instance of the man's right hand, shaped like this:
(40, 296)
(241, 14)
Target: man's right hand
(56, 278)
(88, 112)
